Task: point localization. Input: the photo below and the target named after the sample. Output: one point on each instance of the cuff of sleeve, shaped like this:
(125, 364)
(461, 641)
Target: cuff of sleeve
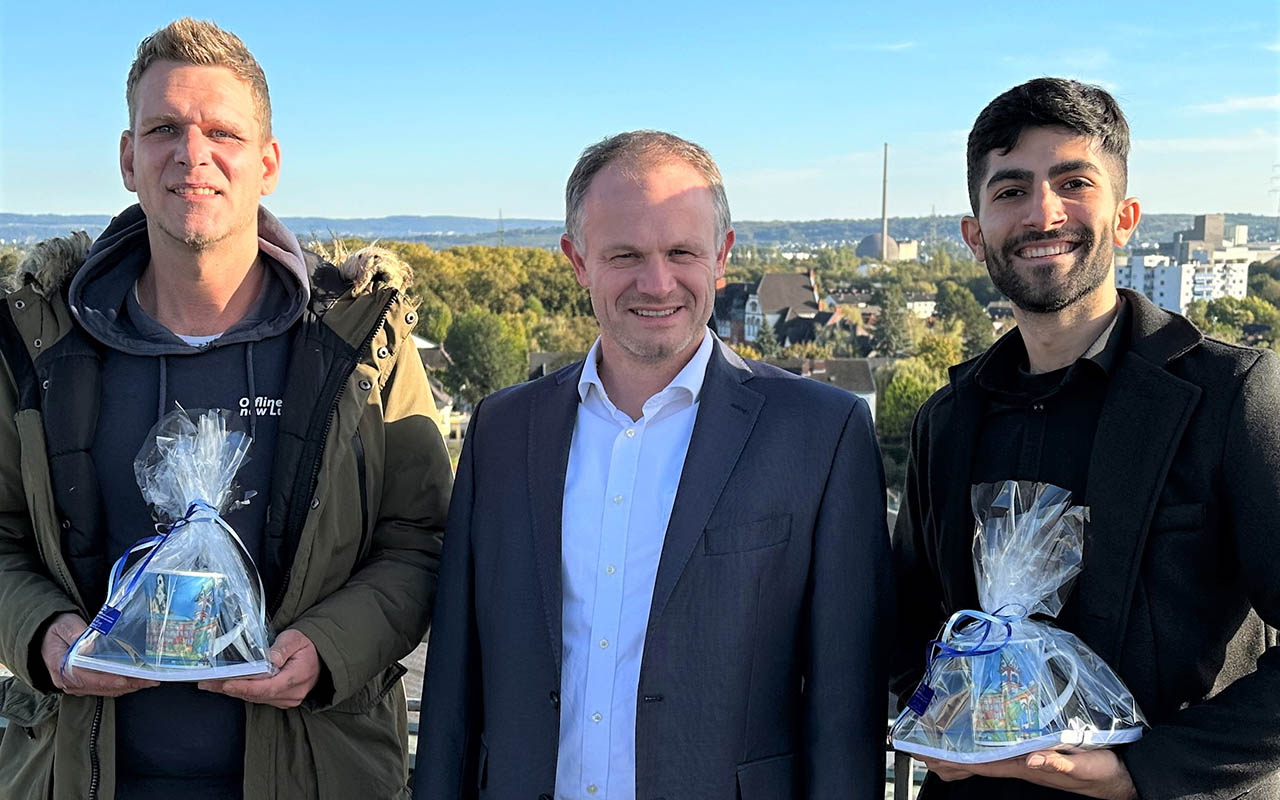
(334, 684)
(31, 628)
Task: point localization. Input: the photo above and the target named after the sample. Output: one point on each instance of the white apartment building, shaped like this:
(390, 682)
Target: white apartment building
(1174, 286)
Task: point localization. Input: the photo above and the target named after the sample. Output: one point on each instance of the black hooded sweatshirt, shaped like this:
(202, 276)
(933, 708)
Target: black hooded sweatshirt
(176, 740)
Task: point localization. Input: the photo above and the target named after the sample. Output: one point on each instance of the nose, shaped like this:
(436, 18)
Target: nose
(1046, 210)
(656, 278)
(192, 148)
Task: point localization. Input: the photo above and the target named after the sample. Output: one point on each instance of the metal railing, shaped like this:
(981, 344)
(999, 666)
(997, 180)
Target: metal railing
(901, 775)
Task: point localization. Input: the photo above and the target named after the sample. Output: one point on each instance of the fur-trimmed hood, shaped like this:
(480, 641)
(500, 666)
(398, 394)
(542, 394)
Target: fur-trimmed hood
(98, 277)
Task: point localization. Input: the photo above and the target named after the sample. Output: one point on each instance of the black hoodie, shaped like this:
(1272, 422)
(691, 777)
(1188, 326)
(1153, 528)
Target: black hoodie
(176, 740)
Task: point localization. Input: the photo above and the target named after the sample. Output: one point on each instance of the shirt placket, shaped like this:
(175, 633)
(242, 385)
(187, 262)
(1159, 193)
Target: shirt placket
(606, 616)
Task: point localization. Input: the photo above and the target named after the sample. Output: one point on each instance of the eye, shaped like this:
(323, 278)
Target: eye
(1076, 183)
(620, 257)
(162, 129)
(681, 253)
(1011, 191)
(222, 134)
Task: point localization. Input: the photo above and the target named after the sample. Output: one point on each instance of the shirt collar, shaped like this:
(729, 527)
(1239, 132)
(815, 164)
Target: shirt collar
(1008, 360)
(689, 378)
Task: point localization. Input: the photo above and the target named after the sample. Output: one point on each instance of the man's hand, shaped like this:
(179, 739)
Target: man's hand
(1093, 773)
(299, 664)
(62, 633)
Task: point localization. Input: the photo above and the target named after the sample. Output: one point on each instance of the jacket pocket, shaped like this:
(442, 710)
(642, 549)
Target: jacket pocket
(742, 537)
(371, 694)
(26, 751)
(768, 778)
(22, 706)
(1179, 517)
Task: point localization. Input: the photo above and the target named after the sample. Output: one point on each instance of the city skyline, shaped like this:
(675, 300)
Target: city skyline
(463, 111)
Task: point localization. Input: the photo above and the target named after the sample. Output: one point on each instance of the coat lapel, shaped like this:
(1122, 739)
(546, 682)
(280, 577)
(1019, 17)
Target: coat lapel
(1143, 418)
(952, 470)
(727, 411)
(552, 416)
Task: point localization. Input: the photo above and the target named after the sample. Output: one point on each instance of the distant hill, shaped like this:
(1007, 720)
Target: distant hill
(447, 231)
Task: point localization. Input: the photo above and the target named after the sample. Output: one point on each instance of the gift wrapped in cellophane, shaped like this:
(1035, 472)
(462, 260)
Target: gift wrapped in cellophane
(186, 603)
(1000, 682)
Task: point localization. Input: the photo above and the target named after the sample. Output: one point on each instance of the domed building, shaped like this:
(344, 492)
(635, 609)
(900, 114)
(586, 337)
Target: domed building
(870, 248)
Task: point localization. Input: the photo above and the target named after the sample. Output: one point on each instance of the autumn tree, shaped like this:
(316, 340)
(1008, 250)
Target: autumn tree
(489, 352)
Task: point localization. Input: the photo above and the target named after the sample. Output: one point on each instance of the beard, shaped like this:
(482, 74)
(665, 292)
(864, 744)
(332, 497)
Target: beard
(1040, 292)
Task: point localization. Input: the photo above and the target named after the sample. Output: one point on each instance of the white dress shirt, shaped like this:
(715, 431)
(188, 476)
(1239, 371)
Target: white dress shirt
(618, 491)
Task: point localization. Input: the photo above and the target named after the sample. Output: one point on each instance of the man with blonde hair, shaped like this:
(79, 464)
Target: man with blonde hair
(198, 297)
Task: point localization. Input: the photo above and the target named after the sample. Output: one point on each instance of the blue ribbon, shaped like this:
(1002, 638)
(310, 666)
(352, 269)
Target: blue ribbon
(107, 617)
(939, 650)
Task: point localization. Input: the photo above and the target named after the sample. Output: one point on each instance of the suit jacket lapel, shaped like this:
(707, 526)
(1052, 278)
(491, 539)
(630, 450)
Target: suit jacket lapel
(727, 412)
(1142, 421)
(552, 416)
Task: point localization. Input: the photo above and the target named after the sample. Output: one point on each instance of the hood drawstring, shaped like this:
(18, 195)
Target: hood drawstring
(164, 387)
(252, 410)
(253, 394)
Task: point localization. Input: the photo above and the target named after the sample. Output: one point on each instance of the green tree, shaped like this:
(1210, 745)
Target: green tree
(767, 340)
(434, 317)
(911, 382)
(940, 349)
(840, 339)
(957, 304)
(488, 351)
(892, 336)
(558, 333)
(9, 259)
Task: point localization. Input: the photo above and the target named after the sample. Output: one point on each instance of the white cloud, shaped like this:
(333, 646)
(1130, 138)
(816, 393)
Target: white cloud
(1273, 47)
(1255, 140)
(1267, 102)
(881, 47)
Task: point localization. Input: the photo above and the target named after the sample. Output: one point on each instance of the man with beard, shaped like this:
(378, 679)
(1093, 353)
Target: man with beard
(1172, 440)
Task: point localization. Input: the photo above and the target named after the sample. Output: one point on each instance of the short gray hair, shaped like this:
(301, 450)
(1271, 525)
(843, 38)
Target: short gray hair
(641, 148)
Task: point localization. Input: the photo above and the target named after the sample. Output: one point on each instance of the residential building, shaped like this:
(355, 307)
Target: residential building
(854, 375)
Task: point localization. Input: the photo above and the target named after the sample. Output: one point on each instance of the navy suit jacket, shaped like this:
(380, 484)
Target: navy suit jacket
(764, 666)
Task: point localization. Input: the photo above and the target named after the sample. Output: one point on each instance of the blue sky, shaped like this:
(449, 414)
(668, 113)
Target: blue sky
(468, 108)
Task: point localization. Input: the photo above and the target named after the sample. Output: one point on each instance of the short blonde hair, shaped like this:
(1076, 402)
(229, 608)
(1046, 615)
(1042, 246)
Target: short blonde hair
(203, 44)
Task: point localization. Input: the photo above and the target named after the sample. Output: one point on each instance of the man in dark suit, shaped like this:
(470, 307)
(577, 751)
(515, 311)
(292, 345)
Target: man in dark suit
(666, 571)
(1172, 440)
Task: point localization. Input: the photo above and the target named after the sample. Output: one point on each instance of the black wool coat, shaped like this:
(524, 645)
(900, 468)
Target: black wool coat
(1180, 589)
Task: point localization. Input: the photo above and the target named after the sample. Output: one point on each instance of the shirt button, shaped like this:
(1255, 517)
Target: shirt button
(617, 499)
(591, 788)
(609, 570)
(1038, 407)
(604, 643)
(596, 717)
(631, 433)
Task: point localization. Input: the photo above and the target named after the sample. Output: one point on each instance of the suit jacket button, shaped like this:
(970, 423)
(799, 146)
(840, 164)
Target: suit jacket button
(554, 697)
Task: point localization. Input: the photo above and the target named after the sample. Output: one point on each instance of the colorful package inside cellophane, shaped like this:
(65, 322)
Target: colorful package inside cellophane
(187, 603)
(1000, 682)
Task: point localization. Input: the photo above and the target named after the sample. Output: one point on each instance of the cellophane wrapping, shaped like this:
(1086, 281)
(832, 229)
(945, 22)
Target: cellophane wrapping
(1002, 681)
(190, 606)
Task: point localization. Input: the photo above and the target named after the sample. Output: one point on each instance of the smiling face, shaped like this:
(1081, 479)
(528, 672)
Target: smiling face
(650, 257)
(1048, 220)
(196, 155)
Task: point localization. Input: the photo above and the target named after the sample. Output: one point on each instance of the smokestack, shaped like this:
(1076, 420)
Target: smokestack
(884, 209)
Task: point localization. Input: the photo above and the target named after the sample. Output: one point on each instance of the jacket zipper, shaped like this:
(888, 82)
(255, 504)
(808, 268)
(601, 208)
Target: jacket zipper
(95, 765)
(324, 436)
